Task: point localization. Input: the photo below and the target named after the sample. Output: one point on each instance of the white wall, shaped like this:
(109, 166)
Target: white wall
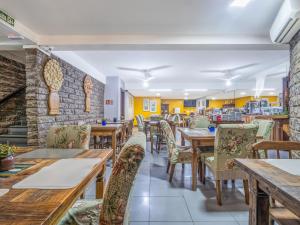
(112, 92)
(129, 106)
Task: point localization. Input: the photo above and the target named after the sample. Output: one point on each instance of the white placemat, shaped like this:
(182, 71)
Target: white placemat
(51, 153)
(63, 174)
(3, 191)
(291, 166)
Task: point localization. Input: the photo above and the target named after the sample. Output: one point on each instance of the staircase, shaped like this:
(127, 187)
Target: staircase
(17, 135)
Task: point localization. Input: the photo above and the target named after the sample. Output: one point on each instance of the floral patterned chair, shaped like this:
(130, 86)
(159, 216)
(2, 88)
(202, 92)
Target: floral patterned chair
(176, 154)
(199, 122)
(141, 125)
(112, 210)
(264, 132)
(69, 136)
(232, 141)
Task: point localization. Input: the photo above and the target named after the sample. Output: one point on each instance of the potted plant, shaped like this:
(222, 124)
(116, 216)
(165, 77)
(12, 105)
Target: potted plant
(7, 160)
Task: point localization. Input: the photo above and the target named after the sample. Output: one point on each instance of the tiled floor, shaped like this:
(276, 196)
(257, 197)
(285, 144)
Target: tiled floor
(157, 202)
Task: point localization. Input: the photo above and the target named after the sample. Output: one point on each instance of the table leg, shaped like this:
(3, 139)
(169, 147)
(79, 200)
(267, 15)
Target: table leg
(114, 146)
(182, 140)
(100, 183)
(194, 166)
(95, 142)
(259, 205)
(151, 139)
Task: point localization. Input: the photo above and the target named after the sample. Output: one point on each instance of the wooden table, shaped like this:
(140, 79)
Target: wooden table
(111, 130)
(198, 137)
(228, 122)
(39, 206)
(265, 181)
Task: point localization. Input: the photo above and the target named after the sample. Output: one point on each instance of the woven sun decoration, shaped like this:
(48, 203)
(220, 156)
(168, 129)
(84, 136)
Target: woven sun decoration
(54, 78)
(88, 87)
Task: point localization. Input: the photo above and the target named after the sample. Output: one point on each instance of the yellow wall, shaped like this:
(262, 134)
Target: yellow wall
(240, 102)
(138, 107)
(177, 103)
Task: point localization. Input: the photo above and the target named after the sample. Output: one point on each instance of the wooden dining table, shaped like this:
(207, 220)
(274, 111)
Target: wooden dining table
(198, 137)
(267, 180)
(45, 206)
(109, 130)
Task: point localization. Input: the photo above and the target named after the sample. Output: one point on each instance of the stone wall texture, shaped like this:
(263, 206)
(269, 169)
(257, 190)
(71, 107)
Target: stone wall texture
(72, 98)
(13, 78)
(294, 86)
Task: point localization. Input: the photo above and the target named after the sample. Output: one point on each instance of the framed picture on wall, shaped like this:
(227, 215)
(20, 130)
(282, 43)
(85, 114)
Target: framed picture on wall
(153, 106)
(146, 104)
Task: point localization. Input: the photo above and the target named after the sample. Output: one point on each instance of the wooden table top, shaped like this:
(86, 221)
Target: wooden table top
(119, 122)
(108, 127)
(281, 185)
(35, 206)
(196, 133)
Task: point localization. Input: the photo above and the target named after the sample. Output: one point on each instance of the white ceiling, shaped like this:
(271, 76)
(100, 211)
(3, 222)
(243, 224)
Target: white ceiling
(189, 35)
(169, 17)
(186, 66)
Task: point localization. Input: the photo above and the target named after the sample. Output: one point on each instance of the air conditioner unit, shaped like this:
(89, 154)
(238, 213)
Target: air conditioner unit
(287, 22)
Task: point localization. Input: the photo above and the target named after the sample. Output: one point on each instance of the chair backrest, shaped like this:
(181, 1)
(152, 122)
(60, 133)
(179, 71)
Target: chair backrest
(139, 121)
(264, 128)
(199, 122)
(275, 148)
(176, 118)
(118, 188)
(69, 136)
(233, 141)
(168, 135)
(141, 117)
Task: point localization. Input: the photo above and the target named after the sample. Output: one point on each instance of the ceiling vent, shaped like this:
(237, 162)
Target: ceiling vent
(287, 22)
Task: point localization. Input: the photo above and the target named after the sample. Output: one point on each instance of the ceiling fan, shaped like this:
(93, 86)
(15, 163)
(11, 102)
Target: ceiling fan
(229, 74)
(145, 72)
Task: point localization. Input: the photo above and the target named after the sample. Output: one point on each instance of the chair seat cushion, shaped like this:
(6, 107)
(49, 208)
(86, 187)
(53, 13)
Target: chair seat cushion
(83, 212)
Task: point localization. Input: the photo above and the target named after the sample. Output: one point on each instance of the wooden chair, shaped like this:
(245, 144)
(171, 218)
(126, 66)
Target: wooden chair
(278, 213)
(69, 136)
(176, 154)
(232, 141)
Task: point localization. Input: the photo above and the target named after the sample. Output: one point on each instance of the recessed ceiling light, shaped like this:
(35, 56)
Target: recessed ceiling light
(160, 90)
(146, 84)
(242, 93)
(228, 83)
(157, 94)
(186, 94)
(195, 90)
(239, 3)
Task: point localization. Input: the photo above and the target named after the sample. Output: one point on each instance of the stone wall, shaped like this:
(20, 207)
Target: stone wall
(294, 86)
(72, 98)
(12, 77)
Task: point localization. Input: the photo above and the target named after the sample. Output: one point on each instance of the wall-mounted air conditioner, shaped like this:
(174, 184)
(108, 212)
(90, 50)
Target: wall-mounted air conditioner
(287, 22)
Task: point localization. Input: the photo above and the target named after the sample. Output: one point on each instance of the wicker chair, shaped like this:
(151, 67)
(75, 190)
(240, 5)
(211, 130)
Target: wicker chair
(112, 210)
